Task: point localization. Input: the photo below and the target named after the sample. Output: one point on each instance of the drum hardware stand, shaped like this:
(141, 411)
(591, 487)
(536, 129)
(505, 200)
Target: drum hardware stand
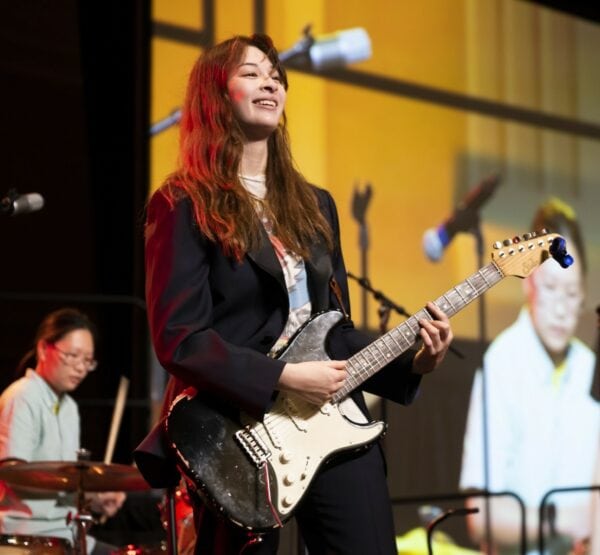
(253, 539)
(83, 519)
(172, 525)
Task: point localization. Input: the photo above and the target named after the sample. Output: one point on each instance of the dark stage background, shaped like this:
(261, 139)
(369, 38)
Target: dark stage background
(74, 129)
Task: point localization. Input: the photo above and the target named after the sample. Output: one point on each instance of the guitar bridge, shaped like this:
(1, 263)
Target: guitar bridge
(254, 447)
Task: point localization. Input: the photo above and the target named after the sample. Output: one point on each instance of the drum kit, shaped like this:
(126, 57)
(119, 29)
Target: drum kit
(79, 477)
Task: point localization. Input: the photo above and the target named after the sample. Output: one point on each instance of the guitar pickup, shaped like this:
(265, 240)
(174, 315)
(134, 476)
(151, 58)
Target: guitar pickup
(253, 445)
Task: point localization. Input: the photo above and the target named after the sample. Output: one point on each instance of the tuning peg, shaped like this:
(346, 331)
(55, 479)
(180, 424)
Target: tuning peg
(526, 236)
(507, 242)
(558, 250)
(567, 261)
(516, 240)
(497, 245)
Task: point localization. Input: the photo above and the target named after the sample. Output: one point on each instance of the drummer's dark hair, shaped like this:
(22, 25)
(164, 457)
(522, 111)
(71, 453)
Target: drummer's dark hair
(53, 328)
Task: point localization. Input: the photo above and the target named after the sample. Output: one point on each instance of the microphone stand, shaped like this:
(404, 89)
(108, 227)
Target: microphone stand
(360, 203)
(386, 303)
(7, 202)
(595, 391)
(442, 517)
(481, 311)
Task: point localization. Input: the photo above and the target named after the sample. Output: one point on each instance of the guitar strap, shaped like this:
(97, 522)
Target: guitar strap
(337, 292)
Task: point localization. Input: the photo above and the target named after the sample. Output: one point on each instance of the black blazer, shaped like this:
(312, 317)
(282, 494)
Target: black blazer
(212, 320)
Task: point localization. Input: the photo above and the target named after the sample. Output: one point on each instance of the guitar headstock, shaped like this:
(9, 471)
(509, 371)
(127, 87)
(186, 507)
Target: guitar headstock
(519, 256)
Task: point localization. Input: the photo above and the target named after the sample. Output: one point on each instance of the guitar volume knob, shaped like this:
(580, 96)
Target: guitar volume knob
(285, 457)
(287, 501)
(288, 480)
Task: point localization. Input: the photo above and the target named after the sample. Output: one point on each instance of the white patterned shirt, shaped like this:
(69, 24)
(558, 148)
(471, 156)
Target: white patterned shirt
(294, 270)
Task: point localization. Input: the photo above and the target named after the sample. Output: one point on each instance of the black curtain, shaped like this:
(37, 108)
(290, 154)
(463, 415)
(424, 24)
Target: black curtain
(75, 117)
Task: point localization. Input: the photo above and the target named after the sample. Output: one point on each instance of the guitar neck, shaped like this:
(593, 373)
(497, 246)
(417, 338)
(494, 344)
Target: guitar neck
(374, 357)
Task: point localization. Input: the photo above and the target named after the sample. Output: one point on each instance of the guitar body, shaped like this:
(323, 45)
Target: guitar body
(256, 473)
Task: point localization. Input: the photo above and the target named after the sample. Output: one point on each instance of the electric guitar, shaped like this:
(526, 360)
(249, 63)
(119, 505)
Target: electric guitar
(256, 472)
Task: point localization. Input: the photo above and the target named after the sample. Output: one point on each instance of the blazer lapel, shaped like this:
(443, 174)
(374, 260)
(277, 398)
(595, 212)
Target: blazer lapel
(318, 268)
(319, 271)
(265, 258)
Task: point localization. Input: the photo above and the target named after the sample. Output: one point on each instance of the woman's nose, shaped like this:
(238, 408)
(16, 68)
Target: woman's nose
(270, 84)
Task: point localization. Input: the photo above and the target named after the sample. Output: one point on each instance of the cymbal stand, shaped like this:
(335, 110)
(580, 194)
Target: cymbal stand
(83, 519)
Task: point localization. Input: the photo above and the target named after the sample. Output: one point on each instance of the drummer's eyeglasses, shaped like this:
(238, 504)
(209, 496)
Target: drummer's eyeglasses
(76, 359)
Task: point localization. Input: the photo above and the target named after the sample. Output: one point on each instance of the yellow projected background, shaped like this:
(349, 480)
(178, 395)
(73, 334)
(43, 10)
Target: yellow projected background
(420, 156)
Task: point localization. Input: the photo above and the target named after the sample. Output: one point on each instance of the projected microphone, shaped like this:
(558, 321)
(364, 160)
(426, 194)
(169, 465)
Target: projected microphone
(465, 216)
(14, 205)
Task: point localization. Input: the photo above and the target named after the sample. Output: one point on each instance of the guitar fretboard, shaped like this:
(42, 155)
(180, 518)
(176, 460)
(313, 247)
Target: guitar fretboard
(391, 345)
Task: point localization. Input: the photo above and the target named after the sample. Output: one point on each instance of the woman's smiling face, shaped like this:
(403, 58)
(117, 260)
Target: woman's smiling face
(256, 93)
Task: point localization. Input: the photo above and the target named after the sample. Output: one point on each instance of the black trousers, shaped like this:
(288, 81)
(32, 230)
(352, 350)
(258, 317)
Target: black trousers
(347, 511)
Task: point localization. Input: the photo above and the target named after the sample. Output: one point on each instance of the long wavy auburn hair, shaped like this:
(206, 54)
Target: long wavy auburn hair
(211, 145)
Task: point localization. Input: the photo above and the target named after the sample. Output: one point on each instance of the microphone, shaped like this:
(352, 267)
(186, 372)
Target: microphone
(328, 51)
(172, 119)
(320, 53)
(465, 216)
(14, 205)
(338, 49)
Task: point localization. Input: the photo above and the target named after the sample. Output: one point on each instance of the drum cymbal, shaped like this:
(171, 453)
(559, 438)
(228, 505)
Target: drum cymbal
(73, 476)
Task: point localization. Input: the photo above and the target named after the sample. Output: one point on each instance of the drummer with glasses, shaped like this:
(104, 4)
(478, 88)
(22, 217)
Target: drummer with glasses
(39, 421)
